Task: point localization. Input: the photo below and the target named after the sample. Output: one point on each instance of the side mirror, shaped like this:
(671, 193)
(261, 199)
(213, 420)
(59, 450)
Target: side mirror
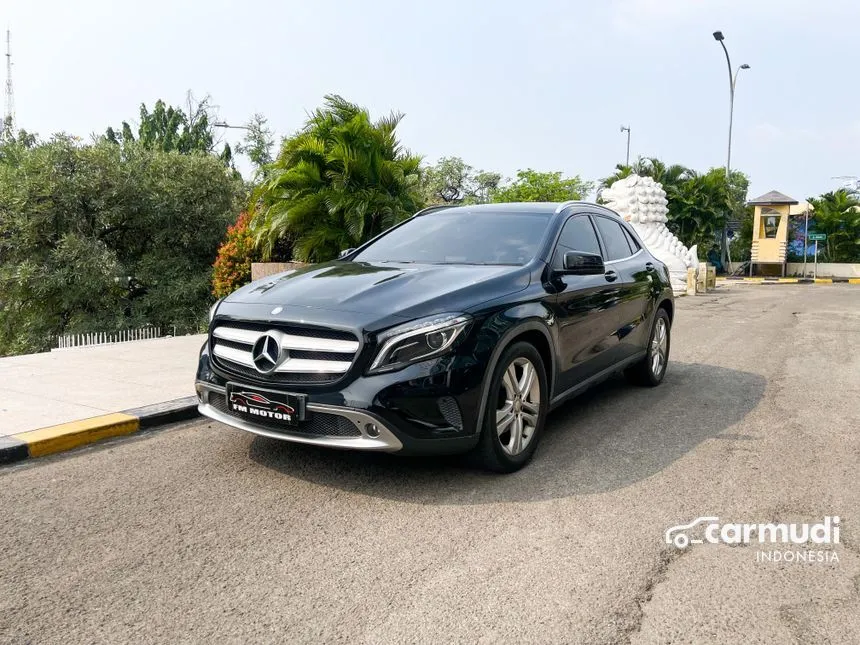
(344, 253)
(580, 263)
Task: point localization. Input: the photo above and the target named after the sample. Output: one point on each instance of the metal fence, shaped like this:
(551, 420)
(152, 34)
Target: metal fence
(106, 338)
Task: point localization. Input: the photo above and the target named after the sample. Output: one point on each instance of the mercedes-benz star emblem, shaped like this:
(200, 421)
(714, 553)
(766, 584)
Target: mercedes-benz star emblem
(266, 353)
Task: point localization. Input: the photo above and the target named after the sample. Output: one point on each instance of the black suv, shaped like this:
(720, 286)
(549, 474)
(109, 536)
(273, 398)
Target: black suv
(457, 330)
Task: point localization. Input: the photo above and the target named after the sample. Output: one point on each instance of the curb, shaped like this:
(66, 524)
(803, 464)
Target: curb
(66, 436)
(791, 280)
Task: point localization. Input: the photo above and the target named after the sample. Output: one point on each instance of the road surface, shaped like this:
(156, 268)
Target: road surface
(201, 533)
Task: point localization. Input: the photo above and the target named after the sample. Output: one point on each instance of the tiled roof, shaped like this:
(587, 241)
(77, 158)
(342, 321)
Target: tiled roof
(773, 197)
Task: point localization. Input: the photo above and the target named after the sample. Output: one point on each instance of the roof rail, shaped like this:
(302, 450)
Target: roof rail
(574, 202)
(569, 202)
(431, 209)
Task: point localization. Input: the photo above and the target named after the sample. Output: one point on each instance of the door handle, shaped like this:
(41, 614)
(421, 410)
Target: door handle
(610, 275)
(649, 266)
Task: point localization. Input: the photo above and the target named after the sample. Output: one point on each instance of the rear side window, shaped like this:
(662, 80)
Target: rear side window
(578, 235)
(614, 238)
(631, 241)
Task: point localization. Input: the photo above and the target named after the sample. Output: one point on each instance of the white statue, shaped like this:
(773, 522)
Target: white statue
(642, 202)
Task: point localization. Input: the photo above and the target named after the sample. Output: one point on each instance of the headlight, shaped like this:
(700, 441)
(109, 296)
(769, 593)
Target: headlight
(214, 309)
(418, 341)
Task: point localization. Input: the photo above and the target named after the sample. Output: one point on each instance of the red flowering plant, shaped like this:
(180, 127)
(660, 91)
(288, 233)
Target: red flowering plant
(232, 267)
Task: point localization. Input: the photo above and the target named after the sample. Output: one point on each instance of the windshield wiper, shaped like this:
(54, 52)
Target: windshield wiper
(484, 264)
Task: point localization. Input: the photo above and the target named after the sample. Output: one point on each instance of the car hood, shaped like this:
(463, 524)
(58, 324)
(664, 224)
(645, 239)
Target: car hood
(386, 289)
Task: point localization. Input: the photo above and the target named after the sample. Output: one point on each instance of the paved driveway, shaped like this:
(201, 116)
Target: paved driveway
(203, 533)
(39, 390)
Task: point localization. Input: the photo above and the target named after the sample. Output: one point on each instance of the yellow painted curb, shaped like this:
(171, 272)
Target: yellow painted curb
(77, 433)
(823, 281)
(853, 280)
(788, 279)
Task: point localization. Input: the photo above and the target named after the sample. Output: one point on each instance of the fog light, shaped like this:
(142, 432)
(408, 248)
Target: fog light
(371, 430)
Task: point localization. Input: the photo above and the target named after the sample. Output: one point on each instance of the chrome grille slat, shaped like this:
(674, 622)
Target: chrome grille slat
(288, 341)
(244, 336)
(324, 354)
(233, 355)
(308, 366)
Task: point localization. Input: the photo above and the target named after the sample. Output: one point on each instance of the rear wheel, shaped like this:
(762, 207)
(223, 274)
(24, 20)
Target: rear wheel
(652, 368)
(515, 410)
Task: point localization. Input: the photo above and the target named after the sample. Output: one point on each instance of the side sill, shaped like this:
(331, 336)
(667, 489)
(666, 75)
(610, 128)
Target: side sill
(594, 380)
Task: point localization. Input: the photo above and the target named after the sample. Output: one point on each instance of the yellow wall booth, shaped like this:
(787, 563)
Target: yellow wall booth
(770, 232)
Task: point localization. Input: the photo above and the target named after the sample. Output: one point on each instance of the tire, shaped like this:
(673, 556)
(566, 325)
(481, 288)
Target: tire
(651, 369)
(526, 404)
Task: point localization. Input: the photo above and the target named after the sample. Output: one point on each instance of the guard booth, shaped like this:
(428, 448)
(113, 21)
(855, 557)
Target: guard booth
(770, 233)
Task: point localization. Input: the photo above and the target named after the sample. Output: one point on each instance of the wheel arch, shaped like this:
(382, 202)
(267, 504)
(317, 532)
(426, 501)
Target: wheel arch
(669, 306)
(534, 332)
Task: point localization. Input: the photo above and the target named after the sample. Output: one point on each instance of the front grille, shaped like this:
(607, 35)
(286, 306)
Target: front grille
(318, 424)
(309, 355)
(250, 372)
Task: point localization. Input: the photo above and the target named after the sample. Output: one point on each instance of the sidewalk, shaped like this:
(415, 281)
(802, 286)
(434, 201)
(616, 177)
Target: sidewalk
(39, 390)
(777, 280)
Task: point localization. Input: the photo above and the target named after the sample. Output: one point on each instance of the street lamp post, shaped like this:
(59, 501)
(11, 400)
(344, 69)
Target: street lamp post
(222, 124)
(733, 81)
(626, 128)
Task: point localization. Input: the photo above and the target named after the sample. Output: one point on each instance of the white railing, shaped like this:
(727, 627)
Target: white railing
(106, 338)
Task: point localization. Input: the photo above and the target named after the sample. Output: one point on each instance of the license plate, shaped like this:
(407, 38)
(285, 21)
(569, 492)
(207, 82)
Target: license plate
(255, 404)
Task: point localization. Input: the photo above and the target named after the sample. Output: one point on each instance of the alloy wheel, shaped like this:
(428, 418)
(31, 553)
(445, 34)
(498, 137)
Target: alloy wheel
(659, 345)
(518, 406)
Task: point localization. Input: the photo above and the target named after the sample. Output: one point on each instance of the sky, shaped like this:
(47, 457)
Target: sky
(503, 84)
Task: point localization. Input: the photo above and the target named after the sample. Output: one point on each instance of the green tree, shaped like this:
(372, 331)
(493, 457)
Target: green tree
(533, 186)
(670, 176)
(172, 129)
(338, 182)
(13, 147)
(698, 207)
(258, 142)
(838, 215)
(699, 204)
(453, 181)
(741, 248)
(97, 238)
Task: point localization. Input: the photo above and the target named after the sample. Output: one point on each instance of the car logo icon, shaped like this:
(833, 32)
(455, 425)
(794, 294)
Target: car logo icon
(679, 535)
(266, 353)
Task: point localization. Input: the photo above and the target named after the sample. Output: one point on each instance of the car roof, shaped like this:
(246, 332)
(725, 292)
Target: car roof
(518, 207)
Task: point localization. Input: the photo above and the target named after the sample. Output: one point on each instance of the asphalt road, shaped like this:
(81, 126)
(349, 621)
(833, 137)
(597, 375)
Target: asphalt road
(203, 533)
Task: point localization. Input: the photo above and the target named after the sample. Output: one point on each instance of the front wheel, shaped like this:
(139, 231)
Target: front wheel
(652, 368)
(515, 410)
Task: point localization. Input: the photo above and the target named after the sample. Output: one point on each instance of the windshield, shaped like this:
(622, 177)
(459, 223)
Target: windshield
(462, 237)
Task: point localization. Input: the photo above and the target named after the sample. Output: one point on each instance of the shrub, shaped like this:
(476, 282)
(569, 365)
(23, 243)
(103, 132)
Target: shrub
(232, 267)
(94, 237)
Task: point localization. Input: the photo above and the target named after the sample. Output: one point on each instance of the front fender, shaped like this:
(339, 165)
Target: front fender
(501, 329)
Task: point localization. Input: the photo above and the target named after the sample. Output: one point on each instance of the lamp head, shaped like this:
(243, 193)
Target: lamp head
(718, 35)
(745, 66)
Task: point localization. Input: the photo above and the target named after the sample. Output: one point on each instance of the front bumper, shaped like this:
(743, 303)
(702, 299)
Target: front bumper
(370, 432)
(427, 408)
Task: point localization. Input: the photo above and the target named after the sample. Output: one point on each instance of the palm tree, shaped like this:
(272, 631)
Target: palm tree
(698, 207)
(697, 203)
(338, 182)
(838, 215)
(670, 176)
